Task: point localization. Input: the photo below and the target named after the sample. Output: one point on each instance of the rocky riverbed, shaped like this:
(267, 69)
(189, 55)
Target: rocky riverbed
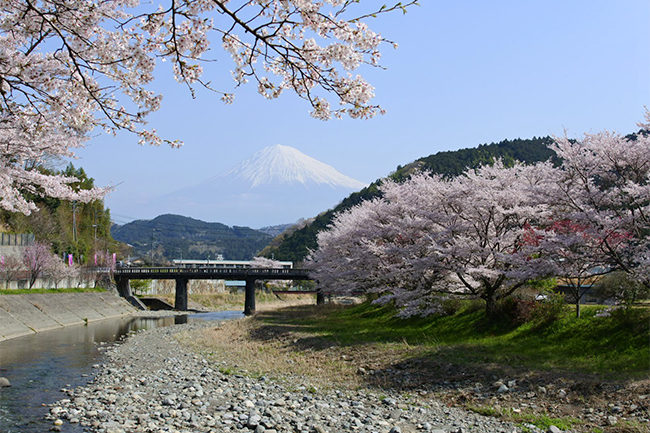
(151, 383)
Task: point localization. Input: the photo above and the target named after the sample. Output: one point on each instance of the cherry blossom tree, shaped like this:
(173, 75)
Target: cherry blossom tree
(482, 219)
(37, 259)
(576, 253)
(604, 185)
(430, 236)
(351, 259)
(58, 271)
(70, 67)
(10, 268)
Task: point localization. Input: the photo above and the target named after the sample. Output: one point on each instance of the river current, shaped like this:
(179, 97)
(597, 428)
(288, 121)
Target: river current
(40, 365)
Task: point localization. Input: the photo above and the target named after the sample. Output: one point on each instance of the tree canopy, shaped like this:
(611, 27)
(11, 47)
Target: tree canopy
(69, 67)
(494, 228)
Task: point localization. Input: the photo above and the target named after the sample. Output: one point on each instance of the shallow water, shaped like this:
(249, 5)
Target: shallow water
(39, 365)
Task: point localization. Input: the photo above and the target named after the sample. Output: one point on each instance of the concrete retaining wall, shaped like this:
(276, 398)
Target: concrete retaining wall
(28, 314)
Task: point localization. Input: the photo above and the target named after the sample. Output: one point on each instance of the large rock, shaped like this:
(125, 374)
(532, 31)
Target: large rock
(4, 382)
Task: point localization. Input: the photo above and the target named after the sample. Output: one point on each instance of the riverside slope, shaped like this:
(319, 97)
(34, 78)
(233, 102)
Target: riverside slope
(151, 383)
(31, 313)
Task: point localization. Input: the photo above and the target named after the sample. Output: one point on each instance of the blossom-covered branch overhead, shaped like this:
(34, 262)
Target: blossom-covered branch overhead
(69, 67)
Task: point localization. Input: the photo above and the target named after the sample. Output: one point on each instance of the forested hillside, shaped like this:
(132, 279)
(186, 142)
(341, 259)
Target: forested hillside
(175, 236)
(73, 228)
(294, 244)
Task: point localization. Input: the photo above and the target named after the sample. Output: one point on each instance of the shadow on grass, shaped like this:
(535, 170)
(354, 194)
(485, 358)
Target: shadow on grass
(465, 348)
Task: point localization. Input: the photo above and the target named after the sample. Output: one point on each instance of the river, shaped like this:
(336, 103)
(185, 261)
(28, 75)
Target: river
(40, 365)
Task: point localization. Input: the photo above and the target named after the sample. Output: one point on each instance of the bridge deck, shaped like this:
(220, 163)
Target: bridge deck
(207, 273)
(183, 275)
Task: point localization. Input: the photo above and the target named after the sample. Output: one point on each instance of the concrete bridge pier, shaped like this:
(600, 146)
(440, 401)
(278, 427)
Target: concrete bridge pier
(123, 287)
(180, 302)
(249, 301)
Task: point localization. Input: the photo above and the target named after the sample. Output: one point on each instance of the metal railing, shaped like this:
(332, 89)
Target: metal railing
(16, 239)
(217, 273)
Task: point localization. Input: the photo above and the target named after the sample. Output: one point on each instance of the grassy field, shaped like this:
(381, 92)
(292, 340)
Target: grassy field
(40, 291)
(618, 344)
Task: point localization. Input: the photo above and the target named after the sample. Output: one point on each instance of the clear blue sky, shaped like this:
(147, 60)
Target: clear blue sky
(465, 73)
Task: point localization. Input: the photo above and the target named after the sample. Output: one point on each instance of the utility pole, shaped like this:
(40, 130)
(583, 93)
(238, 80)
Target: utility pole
(74, 221)
(95, 227)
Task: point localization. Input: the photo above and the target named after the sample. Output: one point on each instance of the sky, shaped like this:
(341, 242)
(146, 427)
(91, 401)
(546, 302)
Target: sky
(465, 73)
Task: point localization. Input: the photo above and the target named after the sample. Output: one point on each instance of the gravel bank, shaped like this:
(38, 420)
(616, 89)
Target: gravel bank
(149, 383)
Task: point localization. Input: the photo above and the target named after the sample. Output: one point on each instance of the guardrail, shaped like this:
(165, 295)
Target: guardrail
(217, 273)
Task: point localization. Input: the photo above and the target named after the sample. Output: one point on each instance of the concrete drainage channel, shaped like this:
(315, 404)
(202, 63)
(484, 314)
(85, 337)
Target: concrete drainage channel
(27, 314)
(37, 365)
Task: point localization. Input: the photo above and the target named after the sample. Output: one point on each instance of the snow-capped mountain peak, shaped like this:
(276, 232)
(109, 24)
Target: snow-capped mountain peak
(287, 165)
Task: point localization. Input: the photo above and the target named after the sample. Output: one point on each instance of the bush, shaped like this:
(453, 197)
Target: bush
(474, 305)
(451, 306)
(548, 309)
(516, 310)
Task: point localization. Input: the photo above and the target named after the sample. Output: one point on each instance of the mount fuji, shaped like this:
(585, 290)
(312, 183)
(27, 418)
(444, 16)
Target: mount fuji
(278, 184)
(286, 165)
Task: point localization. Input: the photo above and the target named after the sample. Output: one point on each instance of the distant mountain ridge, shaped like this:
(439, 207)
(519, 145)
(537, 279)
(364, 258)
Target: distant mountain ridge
(294, 244)
(274, 230)
(176, 236)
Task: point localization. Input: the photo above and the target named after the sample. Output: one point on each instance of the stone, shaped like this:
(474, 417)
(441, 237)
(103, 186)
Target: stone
(116, 401)
(553, 429)
(612, 420)
(253, 421)
(503, 388)
(4, 382)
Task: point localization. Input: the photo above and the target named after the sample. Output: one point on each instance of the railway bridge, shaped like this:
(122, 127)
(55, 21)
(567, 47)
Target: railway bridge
(183, 274)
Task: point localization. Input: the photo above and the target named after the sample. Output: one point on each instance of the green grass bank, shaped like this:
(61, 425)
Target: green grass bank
(614, 345)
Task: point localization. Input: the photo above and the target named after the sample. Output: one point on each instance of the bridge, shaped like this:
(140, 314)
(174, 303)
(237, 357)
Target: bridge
(183, 274)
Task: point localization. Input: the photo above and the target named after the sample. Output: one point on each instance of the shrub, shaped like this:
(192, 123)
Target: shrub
(550, 308)
(516, 310)
(474, 305)
(451, 306)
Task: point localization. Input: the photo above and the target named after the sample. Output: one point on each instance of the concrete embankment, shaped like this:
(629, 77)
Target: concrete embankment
(31, 313)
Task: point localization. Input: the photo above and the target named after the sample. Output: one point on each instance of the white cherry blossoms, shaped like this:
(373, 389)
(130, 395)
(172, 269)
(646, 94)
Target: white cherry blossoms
(71, 67)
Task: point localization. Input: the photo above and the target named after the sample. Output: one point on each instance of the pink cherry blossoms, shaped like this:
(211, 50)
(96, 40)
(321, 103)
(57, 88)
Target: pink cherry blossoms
(492, 230)
(69, 67)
